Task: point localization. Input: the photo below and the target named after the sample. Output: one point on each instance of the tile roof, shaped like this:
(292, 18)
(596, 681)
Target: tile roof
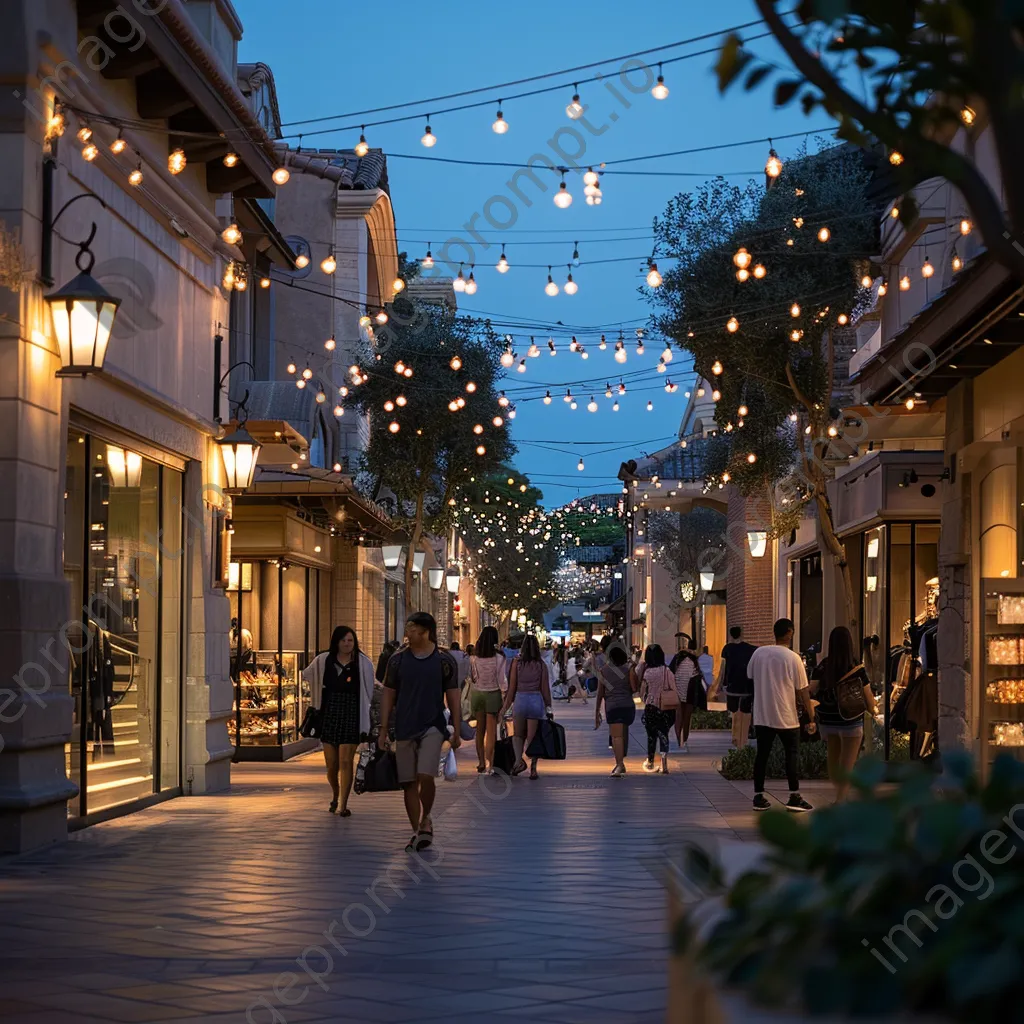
(351, 172)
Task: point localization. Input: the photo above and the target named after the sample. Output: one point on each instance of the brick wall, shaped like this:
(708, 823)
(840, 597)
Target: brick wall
(750, 583)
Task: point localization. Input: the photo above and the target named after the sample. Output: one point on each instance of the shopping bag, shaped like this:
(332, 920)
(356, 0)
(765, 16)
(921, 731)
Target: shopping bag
(548, 742)
(312, 723)
(451, 767)
(465, 701)
(377, 772)
(504, 753)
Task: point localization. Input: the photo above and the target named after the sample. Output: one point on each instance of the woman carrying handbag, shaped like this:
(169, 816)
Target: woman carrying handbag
(658, 690)
(341, 687)
(842, 689)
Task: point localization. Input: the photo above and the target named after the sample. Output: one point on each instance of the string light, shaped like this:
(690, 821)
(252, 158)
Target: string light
(966, 227)
(281, 176)
(575, 254)
(716, 368)
(429, 139)
(330, 344)
(500, 125)
(824, 234)
(533, 351)
(732, 325)
(574, 109)
(967, 115)
(882, 288)
(795, 335)
(364, 320)
(751, 458)
(650, 406)
(56, 123)
(455, 363)
(591, 405)
(521, 368)
(329, 264)
(84, 133)
(90, 152)
(502, 400)
(620, 352)
(459, 284)
(957, 263)
(580, 465)
(895, 158)
(571, 287)
(264, 282)
(794, 310)
(302, 261)
(927, 270)
(362, 146)
(119, 145)
(397, 285)
(909, 403)
(428, 261)
(394, 427)
(382, 318)
(176, 161)
(471, 387)
(550, 288)
(865, 281)
(604, 344)
(615, 406)
(759, 271)
(228, 160)
(471, 282)
(894, 213)
(742, 258)
(742, 411)
(502, 265)
(231, 234)
(773, 165)
(653, 277)
(321, 397)
(547, 397)
(905, 283)
(563, 198)
(842, 319)
(135, 178)
(481, 450)
(551, 346)
(666, 356)
(716, 395)
(660, 90)
(742, 275)
(290, 368)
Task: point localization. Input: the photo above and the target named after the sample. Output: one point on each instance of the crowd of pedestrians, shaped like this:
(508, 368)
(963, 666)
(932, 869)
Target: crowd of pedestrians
(422, 696)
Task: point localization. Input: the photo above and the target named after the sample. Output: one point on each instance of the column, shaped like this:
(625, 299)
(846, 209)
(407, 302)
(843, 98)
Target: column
(750, 582)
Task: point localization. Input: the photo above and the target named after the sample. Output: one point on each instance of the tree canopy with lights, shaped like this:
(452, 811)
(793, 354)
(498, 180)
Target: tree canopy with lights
(763, 287)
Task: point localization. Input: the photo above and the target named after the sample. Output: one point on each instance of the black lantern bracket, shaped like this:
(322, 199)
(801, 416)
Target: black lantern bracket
(50, 224)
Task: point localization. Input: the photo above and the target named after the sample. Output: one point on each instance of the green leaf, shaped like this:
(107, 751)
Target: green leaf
(731, 61)
(756, 77)
(868, 773)
(786, 90)
(782, 829)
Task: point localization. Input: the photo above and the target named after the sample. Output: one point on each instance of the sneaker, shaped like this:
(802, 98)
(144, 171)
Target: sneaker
(618, 771)
(798, 804)
(648, 765)
(761, 802)
(685, 747)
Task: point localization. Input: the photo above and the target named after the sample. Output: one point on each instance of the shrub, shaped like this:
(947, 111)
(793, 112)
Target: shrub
(710, 719)
(896, 902)
(738, 763)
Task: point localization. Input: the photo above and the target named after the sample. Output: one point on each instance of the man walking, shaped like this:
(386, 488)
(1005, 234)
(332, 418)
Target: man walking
(739, 691)
(418, 682)
(779, 680)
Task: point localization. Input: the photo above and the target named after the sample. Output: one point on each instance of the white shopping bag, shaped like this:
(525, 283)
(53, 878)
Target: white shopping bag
(451, 767)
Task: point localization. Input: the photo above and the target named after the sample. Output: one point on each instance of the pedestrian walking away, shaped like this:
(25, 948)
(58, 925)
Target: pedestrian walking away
(779, 681)
(529, 696)
(420, 680)
(488, 673)
(341, 686)
(840, 725)
(690, 689)
(615, 688)
(733, 678)
(658, 691)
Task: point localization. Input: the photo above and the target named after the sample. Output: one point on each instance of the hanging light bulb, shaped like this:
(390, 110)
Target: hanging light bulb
(563, 198)
(666, 356)
(459, 284)
(591, 405)
(364, 320)
(471, 282)
(865, 281)
(321, 397)
(894, 213)
(329, 264)
(575, 254)
(716, 368)
(574, 344)
(773, 165)
(85, 132)
(455, 363)
(905, 283)
(620, 352)
(732, 325)
(56, 123)
(795, 334)
(551, 346)
(502, 265)
(842, 319)
(362, 147)
(176, 161)
(650, 406)
(521, 368)
(571, 287)
(742, 258)
(550, 288)
(957, 263)
(429, 139)
(910, 403)
(824, 234)
(574, 109)
(118, 146)
(135, 178)
(90, 152)
(471, 386)
(229, 159)
(507, 357)
(654, 279)
(394, 427)
(290, 368)
(615, 406)
(231, 234)
(759, 271)
(497, 421)
(302, 261)
(502, 400)
(895, 158)
(660, 90)
(579, 465)
(330, 344)
(926, 268)
(622, 387)
(751, 458)
(568, 396)
(968, 116)
(591, 177)
(428, 261)
(604, 344)
(500, 125)
(547, 397)
(716, 395)
(607, 391)
(965, 226)
(661, 365)
(382, 318)
(742, 275)
(397, 285)
(481, 450)
(281, 176)
(882, 288)
(533, 351)
(794, 310)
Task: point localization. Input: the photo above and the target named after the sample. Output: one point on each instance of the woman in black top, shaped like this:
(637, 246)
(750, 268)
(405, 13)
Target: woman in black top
(845, 737)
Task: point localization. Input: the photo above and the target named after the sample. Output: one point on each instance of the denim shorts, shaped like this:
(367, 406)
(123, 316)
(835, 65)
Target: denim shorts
(529, 705)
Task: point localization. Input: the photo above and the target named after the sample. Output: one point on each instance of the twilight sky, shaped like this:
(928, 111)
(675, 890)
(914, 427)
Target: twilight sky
(330, 58)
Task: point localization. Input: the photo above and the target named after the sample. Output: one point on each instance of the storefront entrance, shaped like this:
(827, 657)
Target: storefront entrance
(123, 561)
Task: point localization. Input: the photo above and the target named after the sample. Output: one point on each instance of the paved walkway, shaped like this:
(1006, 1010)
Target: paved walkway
(542, 901)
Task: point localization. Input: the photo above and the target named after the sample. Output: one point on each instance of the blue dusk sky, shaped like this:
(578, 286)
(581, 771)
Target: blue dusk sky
(331, 58)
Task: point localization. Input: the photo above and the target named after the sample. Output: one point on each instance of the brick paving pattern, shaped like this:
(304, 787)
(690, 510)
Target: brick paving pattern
(543, 901)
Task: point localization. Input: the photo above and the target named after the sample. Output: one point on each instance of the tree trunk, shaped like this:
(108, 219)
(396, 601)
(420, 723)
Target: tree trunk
(414, 540)
(834, 546)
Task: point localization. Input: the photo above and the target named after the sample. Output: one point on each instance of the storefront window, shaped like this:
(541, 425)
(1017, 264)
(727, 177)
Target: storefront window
(998, 510)
(122, 548)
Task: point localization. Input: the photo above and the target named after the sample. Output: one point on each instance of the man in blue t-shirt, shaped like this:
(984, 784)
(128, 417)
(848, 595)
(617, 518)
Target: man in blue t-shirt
(419, 680)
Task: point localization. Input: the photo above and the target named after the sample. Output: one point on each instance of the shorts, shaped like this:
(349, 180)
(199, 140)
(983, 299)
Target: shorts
(852, 729)
(419, 756)
(621, 716)
(744, 704)
(484, 702)
(529, 706)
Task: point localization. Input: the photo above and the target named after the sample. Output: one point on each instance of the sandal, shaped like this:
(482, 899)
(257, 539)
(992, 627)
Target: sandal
(518, 768)
(346, 813)
(481, 768)
(534, 775)
(410, 847)
(333, 807)
(425, 837)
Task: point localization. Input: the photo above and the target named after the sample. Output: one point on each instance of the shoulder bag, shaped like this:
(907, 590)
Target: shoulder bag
(312, 724)
(669, 699)
(850, 695)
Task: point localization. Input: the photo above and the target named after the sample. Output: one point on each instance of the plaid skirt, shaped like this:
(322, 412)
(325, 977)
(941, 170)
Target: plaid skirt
(341, 717)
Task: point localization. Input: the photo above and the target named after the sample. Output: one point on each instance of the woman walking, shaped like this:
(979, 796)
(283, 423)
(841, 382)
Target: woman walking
(529, 696)
(341, 686)
(844, 736)
(487, 672)
(615, 687)
(689, 683)
(658, 689)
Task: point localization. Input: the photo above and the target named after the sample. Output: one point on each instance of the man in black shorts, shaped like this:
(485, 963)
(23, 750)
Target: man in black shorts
(739, 690)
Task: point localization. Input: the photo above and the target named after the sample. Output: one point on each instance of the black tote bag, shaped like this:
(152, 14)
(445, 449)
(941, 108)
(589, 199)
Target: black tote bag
(548, 742)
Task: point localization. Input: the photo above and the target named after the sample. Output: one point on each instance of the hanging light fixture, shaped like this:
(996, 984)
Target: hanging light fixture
(500, 125)
(90, 151)
(707, 580)
(397, 285)
(571, 287)
(428, 261)
(759, 271)
(229, 159)
(281, 176)
(176, 161)
(470, 282)
(301, 261)
(533, 351)
(966, 226)
(124, 467)
(550, 288)
(362, 147)
(905, 283)
(575, 254)
(580, 465)
(135, 179)
(459, 284)
(547, 397)
(429, 139)
(231, 234)
(732, 325)
(660, 90)
(502, 265)
(773, 165)
(391, 554)
(882, 288)
(956, 263)
(742, 258)
(824, 234)
(329, 264)
(119, 145)
(452, 579)
(239, 451)
(435, 577)
(508, 356)
(654, 279)
(563, 198)
(574, 109)
(927, 270)
(591, 405)
(84, 133)
(330, 344)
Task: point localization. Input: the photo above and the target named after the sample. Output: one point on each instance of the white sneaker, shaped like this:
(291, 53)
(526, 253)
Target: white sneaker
(618, 771)
(686, 747)
(648, 765)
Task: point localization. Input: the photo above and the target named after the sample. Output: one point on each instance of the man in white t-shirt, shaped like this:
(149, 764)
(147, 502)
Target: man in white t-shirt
(779, 681)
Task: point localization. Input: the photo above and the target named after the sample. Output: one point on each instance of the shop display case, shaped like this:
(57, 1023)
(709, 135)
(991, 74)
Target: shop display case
(271, 699)
(1003, 675)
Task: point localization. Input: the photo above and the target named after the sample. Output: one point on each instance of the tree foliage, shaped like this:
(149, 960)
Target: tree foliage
(434, 450)
(687, 543)
(926, 71)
